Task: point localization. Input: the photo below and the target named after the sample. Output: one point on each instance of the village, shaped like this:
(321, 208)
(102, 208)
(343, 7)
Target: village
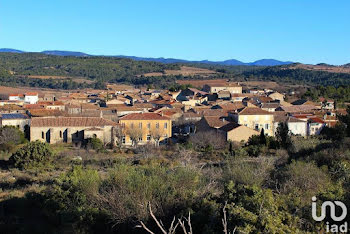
(128, 116)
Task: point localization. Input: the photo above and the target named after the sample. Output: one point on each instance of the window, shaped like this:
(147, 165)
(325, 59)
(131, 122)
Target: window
(132, 125)
(140, 138)
(123, 139)
(256, 126)
(140, 125)
(123, 125)
(60, 134)
(157, 125)
(165, 125)
(43, 135)
(266, 126)
(149, 125)
(148, 137)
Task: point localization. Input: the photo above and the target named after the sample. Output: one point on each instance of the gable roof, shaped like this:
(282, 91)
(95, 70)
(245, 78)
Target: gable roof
(14, 116)
(253, 111)
(70, 122)
(228, 127)
(224, 84)
(316, 120)
(270, 105)
(297, 108)
(215, 121)
(144, 116)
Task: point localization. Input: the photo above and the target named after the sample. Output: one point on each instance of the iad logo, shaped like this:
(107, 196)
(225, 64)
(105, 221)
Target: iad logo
(332, 208)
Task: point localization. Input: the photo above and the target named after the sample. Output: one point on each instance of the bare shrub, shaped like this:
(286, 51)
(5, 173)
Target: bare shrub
(251, 171)
(208, 139)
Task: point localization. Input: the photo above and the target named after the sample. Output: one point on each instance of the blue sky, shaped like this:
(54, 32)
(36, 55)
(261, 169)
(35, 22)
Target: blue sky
(309, 31)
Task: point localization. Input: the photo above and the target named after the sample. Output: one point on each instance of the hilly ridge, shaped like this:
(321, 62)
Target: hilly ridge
(230, 62)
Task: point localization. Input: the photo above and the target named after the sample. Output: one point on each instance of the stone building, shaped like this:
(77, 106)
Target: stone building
(71, 129)
(217, 87)
(21, 121)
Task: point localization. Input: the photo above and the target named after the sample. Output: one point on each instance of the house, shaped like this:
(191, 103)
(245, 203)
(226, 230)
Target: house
(16, 97)
(71, 129)
(304, 102)
(256, 91)
(11, 102)
(30, 97)
(49, 97)
(229, 106)
(327, 104)
(145, 128)
(237, 133)
(270, 107)
(296, 126)
(315, 126)
(297, 108)
(224, 94)
(276, 96)
(254, 118)
(217, 87)
(20, 121)
(208, 123)
(45, 112)
(192, 97)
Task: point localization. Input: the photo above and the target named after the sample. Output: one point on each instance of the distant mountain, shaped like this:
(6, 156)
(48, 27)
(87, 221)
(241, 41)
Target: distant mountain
(230, 62)
(269, 62)
(65, 53)
(7, 50)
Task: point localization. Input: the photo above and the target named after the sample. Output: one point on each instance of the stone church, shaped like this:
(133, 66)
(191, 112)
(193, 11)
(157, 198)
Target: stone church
(71, 129)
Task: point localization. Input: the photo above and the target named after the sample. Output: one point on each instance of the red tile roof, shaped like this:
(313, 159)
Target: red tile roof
(144, 116)
(316, 120)
(70, 122)
(31, 94)
(16, 95)
(215, 121)
(254, 111)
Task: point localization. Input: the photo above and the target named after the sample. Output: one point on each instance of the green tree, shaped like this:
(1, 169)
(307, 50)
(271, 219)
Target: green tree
(33, 155)
(95, 143)
(283, 136)
(262, 137)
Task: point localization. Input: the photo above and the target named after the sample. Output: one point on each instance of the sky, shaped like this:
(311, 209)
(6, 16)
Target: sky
(307, 31)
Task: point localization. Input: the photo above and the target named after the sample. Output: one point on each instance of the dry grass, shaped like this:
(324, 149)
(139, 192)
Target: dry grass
(75, 79)
(200, 83)
(334, 69)
(185, 71)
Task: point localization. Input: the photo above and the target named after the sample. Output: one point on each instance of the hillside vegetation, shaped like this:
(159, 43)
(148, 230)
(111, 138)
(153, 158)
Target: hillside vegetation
(68, 72)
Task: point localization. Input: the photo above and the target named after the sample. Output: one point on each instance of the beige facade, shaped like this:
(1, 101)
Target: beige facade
(145, 128)
(255, 118)
(20, 121)
(276, 96)
(240, 134)
(71, 129)
(215, 88)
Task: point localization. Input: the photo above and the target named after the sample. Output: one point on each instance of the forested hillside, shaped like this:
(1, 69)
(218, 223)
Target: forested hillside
(68, 72)
(20, 68)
